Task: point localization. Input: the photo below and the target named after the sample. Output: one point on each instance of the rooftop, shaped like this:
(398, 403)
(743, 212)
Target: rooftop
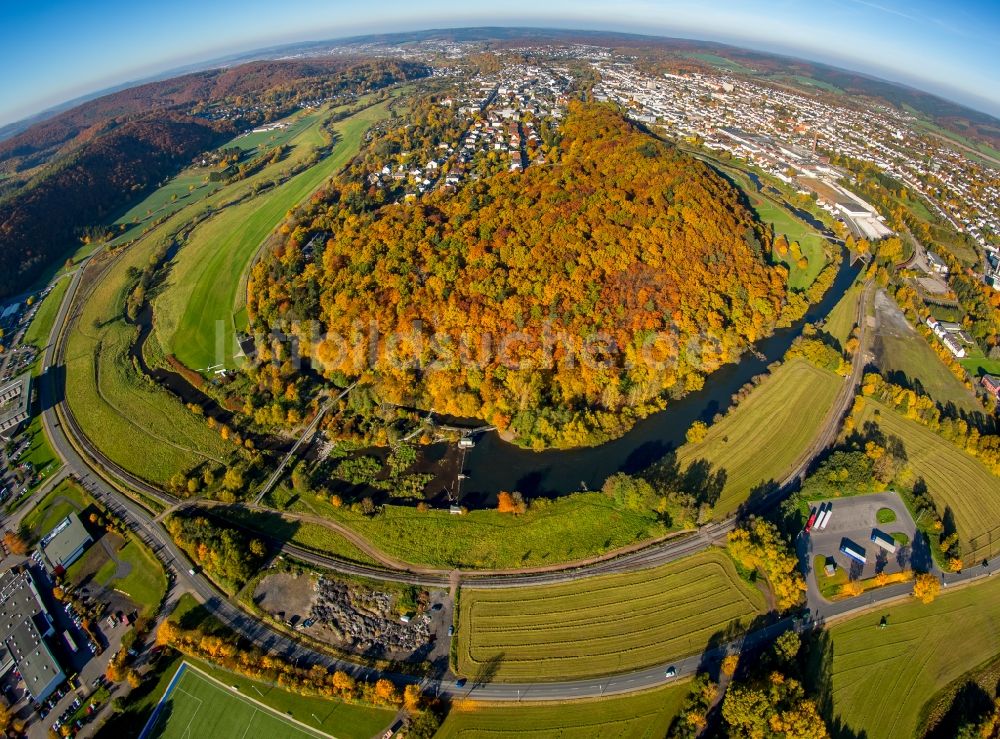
(64, 544)
(24, 622)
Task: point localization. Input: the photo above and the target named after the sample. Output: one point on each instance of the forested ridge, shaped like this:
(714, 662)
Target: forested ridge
(623, 249)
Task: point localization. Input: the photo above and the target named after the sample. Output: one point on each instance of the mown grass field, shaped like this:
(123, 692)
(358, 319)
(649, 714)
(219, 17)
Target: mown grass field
(640, 716)
(955, 479)
(912, 356)
(204, 703)
(881, 678)
(979, 366)
(209, 268)
(812, 244)
(602, 625)
(763, 436)
(570, 528)
(190, 186)
(41, 325)
(841, 320)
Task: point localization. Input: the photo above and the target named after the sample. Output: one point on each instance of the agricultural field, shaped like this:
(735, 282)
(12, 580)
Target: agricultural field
(202, 290)
(41, 325)
(139, 426)
(223, 705)
(603, 625)
(882, 678)
(188, 187)
(955, 479)
(642, 715)
(569, 528)
(782, 415)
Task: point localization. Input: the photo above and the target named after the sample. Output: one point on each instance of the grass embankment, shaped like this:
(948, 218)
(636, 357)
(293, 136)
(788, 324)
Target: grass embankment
(569, 528)
(955, 479)
(209, 269)
(882, 678)
(647, 714)
(312, 536)
(603, 625)
(38, 332)
(781, 417)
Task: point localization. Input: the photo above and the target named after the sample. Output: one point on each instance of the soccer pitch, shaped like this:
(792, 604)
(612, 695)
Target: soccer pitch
(197, 705)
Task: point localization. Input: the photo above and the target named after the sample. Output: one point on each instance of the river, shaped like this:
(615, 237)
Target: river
(495, 465)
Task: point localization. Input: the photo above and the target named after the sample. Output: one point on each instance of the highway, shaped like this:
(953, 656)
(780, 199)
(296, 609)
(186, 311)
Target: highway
(101, 478)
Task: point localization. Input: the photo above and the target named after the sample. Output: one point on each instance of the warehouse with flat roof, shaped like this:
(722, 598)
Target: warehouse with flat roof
(24, 625)
(62, 546)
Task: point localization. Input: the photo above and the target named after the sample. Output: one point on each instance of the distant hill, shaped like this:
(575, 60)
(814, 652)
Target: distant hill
(80, 167)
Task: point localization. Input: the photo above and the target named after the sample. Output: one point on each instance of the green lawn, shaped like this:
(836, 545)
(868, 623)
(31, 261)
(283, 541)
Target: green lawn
(306, 534)
(186, 188)
(572, 527)
(979, 366)
(39, 453)
(882, 678)
(641, 715)
(603, 625)
(954, 479)
(841, 320)
(764, 435)
(67, 497)
(146, 582)
(813, 245)
(222, 705)
(209, 270)
(41, 325)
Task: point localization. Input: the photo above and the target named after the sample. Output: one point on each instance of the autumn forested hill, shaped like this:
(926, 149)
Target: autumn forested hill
(81, 168)
(623, 250)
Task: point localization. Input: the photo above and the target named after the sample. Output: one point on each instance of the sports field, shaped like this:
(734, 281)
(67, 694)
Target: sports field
(197, 705)
(209, 270)
(881, 678)
(602, 625)
(642, 715)
(955, 479)
(782, 416)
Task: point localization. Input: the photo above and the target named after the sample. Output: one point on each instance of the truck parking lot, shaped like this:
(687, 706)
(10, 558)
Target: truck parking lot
(850, 524)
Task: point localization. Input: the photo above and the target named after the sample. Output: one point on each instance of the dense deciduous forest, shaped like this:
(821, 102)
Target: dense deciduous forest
(559, 304)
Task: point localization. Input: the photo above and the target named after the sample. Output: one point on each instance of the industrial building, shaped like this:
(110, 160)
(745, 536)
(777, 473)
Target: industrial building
(15, 404)
(62, 546)
(24, 625)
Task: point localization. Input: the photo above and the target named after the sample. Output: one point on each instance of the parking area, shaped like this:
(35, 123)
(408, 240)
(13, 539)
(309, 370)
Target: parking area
(851, 523)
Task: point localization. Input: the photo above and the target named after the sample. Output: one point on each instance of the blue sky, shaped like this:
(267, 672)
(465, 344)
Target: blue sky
(54, 50)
